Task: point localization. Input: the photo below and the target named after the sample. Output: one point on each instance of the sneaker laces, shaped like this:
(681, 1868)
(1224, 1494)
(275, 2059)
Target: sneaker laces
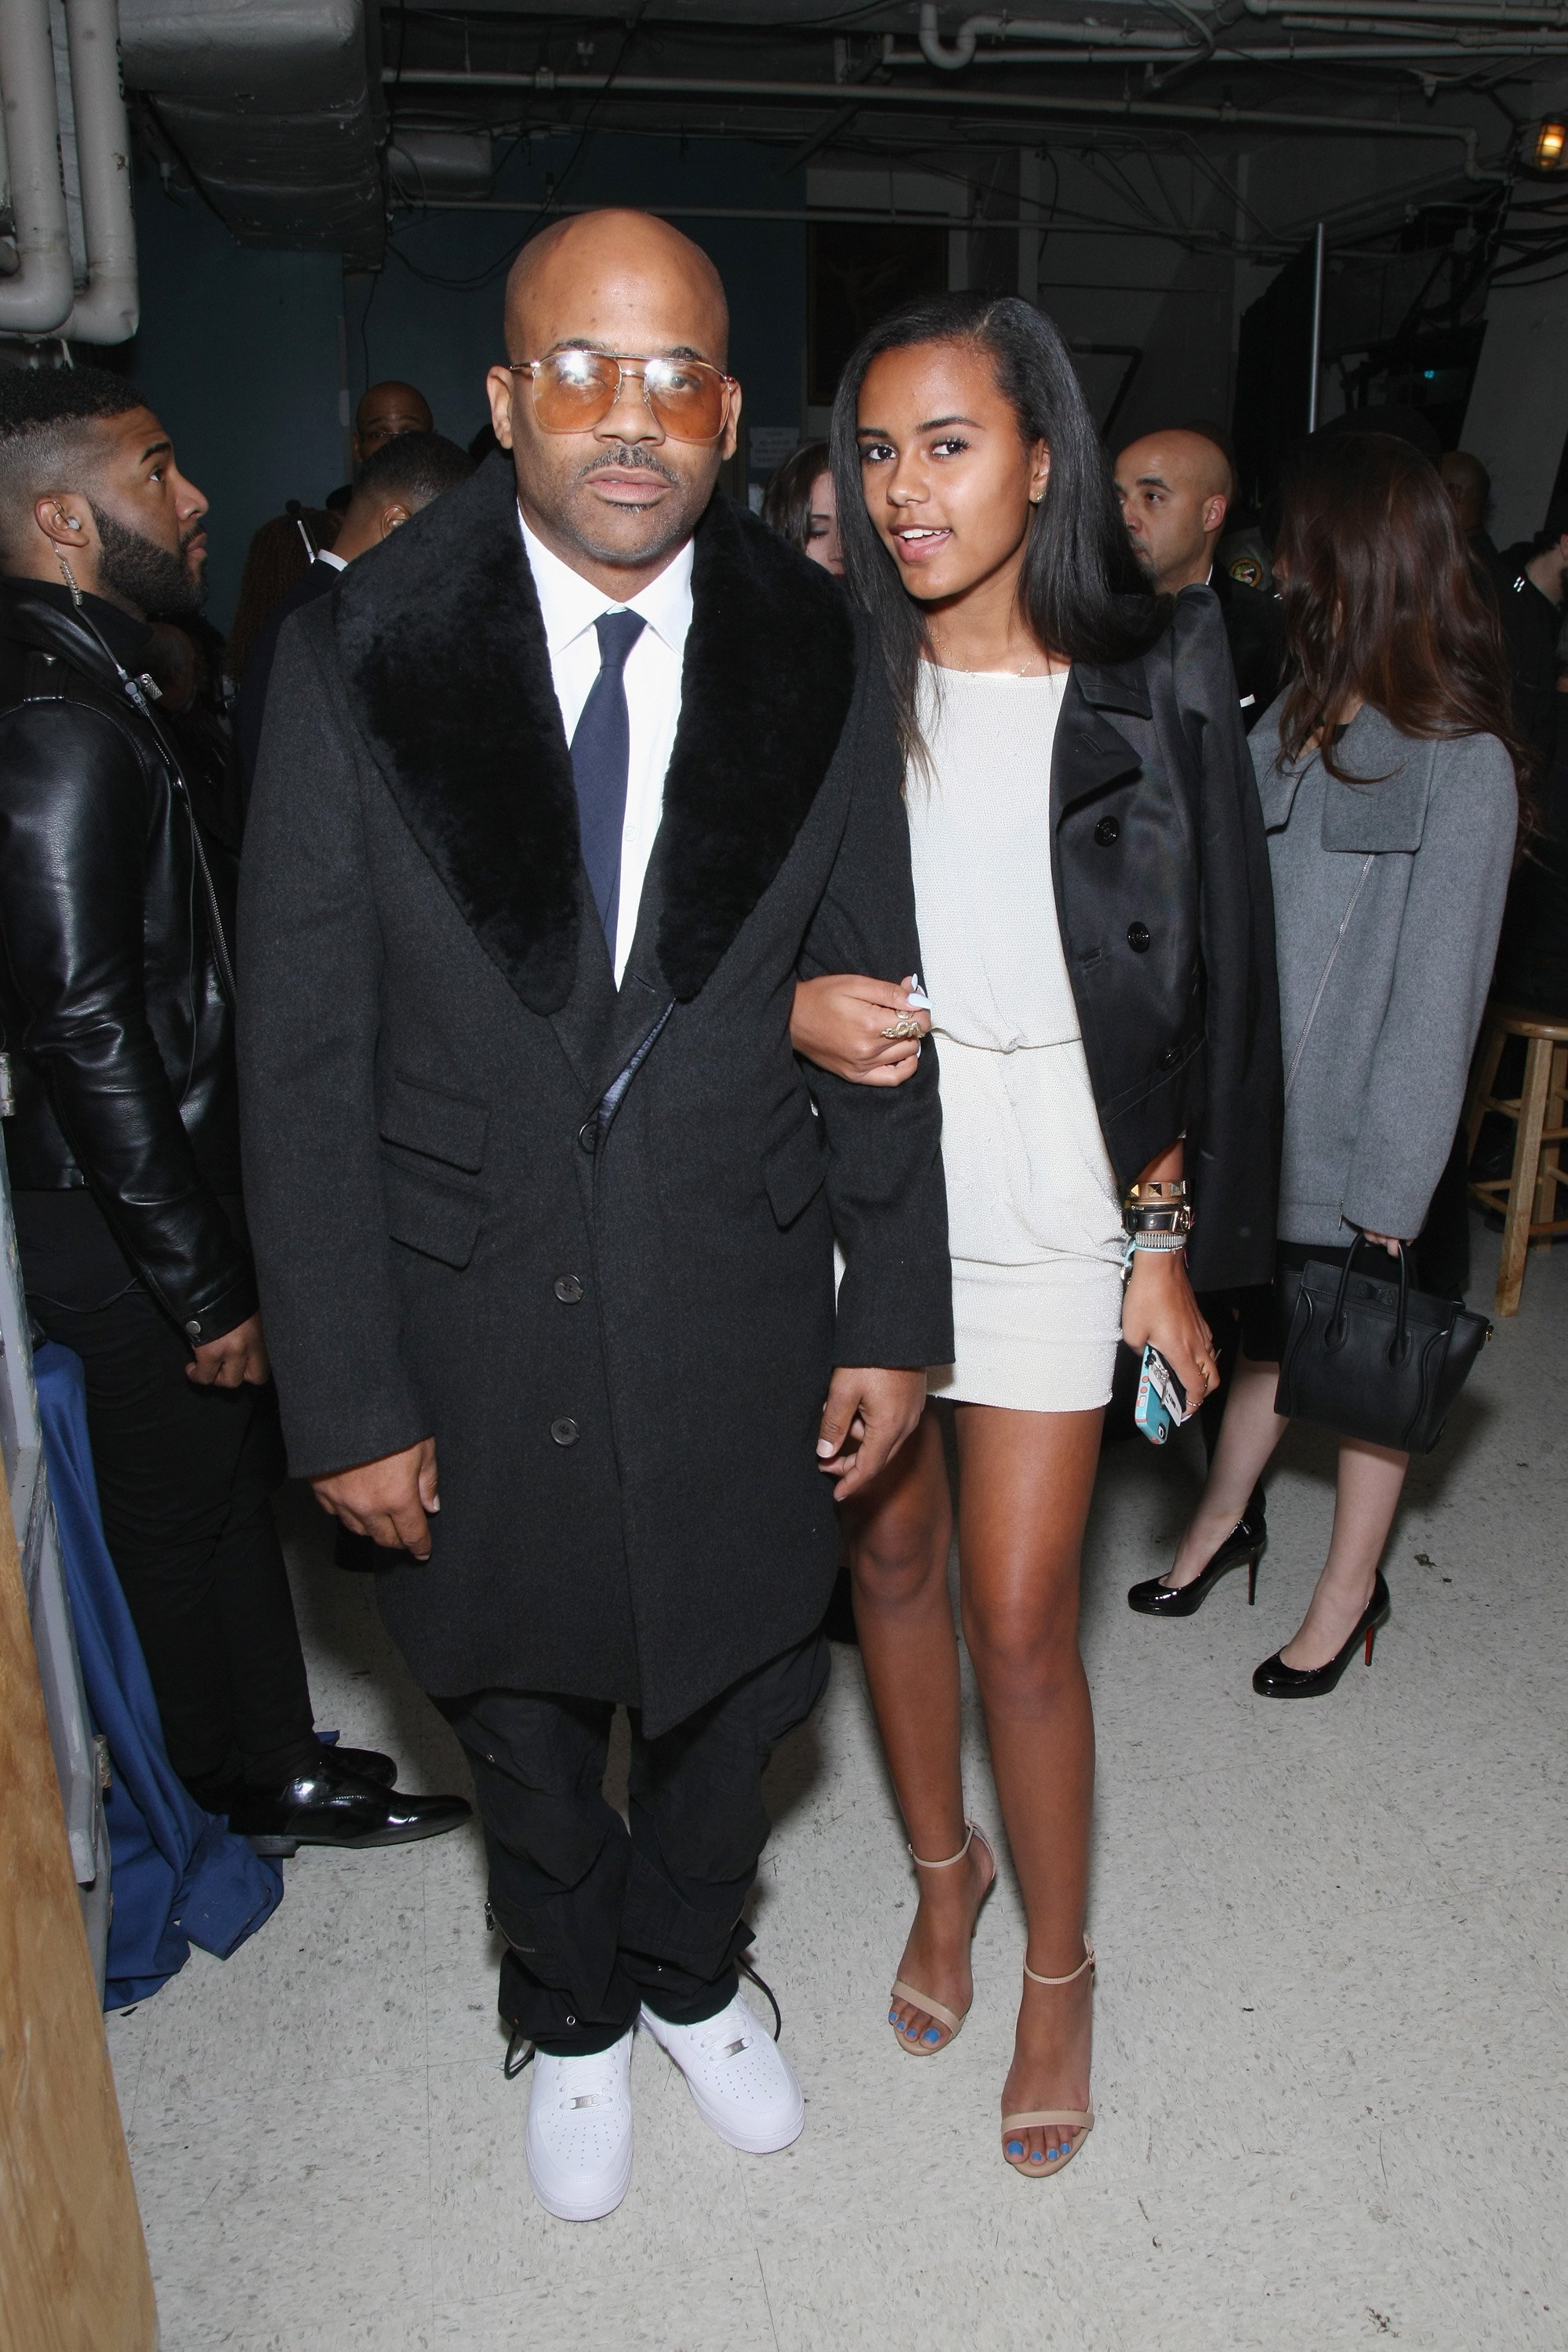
(746, 1969)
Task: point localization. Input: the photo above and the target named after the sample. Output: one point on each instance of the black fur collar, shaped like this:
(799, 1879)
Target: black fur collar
(444, 656)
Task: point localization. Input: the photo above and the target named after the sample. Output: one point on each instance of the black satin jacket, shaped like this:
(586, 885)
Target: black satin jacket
(116, 1001)
(1161, 870)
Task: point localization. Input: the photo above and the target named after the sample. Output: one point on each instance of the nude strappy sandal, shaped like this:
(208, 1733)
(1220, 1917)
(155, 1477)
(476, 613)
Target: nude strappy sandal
(951, 2018)
(1081, 2118)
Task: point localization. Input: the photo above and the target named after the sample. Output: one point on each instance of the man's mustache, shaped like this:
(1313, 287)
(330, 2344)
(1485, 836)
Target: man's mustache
(627, 460)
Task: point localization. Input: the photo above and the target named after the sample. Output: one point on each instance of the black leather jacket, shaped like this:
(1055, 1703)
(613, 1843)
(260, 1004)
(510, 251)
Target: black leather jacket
(116, 996)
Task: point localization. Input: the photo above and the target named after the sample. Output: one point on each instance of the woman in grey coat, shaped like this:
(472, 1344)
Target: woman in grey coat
(1387, 774)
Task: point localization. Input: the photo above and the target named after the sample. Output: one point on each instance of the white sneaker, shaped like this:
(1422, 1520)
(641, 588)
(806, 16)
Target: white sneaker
(580, 2132)
(740, 2078)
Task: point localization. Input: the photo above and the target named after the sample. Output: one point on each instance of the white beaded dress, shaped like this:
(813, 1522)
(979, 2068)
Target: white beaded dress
(1033, 1212)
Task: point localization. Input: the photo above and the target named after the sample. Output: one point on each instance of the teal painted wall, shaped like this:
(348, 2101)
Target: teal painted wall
(241, 351)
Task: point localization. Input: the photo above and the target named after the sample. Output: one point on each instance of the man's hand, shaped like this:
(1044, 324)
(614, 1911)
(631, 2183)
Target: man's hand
(386, 1500)
(867, 1418)
(233, 1357)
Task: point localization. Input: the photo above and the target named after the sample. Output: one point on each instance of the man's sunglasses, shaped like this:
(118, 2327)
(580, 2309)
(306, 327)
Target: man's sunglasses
(575, 390)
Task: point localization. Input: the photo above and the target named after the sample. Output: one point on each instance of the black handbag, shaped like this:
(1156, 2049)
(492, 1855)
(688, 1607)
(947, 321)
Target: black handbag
(1372, 1358)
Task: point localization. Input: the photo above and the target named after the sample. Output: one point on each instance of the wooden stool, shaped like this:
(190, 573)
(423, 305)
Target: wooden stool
(1527, 1195)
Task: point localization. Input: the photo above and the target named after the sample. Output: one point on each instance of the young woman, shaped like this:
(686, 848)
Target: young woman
(1093, 902)
(1387, 776)
(800, 506)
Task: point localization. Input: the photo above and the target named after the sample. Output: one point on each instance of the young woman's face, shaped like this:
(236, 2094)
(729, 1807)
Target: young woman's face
(949, 480)
(822, 527)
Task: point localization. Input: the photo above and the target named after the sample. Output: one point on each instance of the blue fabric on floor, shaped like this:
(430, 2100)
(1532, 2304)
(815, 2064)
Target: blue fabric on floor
(179, 1877)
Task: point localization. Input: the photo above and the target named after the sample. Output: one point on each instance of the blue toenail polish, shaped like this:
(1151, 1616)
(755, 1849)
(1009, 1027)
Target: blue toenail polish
(1014, 2147)
(933, 2033)
(1037, 2157)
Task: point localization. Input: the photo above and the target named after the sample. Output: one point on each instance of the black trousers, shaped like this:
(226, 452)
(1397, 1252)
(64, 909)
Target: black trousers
(186, 1478)
(598, 1915)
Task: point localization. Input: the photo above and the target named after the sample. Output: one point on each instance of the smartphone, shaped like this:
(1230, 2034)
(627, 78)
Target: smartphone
(1162, 1400)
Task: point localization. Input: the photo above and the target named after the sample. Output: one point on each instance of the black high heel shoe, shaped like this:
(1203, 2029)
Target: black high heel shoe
(1245, 1541)
(1274, 1679)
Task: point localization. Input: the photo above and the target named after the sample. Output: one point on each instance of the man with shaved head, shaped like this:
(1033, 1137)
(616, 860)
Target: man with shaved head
(558, 797)
(1175, 489)
(384, 411)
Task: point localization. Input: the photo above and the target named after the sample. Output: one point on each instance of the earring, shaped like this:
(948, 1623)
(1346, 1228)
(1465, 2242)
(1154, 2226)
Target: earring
(70, 579)
(1035, 497)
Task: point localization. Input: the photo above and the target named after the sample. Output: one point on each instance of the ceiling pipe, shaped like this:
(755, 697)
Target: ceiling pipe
(1406, 49)
(1024, 28)
(1443, 12)
(971, 101)
(109, 305)
(37, 299)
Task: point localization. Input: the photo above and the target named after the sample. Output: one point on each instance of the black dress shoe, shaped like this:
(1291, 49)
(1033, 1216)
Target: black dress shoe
(1245, 1541)
(1274, 1679)
(332, 1806)
(368, 1763)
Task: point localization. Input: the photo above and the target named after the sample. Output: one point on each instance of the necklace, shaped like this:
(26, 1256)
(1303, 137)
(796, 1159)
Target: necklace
(1038, 665)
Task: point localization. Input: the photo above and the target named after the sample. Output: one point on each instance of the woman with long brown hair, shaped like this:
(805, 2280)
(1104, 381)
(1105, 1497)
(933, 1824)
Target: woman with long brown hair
(1388, 773)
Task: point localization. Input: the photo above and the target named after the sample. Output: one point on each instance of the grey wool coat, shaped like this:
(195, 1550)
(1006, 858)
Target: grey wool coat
(584, 1237)
(1388, 898)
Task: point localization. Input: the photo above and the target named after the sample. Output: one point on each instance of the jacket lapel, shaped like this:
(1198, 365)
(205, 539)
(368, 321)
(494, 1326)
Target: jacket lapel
(768, 680)
(443, 653)
(1089, 754)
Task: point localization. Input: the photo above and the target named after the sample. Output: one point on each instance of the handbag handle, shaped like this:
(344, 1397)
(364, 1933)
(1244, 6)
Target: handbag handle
(1338, 1330)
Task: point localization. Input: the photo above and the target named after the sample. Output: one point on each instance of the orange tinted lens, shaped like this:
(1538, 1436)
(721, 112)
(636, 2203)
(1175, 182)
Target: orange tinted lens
(687, 400)
(572, 390)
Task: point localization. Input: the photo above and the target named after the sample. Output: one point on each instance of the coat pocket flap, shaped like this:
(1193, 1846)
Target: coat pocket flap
(793, 1170)
(439, 1125)
(433, 1218)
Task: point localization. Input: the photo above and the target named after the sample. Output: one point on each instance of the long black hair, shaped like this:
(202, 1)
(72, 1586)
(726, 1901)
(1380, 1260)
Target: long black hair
(1079, 589)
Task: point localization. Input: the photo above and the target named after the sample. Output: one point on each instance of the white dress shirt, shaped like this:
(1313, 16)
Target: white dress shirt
(570, 606)
(333, 562)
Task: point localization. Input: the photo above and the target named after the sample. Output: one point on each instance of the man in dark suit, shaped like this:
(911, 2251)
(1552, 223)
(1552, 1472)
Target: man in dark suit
(557, 798)
(1175, 489)
(398, 479)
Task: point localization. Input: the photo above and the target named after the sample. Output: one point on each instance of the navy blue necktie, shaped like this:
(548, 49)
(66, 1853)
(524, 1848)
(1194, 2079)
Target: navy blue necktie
(601, 754)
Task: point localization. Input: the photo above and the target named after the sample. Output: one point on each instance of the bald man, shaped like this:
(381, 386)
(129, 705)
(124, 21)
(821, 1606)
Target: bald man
(384, 411)
(570, 782)
(1175, 489)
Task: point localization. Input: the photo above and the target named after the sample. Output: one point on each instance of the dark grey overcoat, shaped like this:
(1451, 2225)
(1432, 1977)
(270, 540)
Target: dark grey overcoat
(583, 1237)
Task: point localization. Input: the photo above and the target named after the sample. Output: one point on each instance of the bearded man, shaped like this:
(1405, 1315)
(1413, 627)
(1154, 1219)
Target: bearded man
(559, 794)
(117, 1018)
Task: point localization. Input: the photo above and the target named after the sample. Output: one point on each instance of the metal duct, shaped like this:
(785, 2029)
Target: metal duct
(274, 109)
(42, 297)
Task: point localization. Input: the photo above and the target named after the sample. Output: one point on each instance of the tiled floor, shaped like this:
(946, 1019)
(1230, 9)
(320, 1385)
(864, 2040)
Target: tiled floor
(1331, 2024)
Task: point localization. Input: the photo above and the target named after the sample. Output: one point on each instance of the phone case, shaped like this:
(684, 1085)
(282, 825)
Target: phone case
(1162, 1401)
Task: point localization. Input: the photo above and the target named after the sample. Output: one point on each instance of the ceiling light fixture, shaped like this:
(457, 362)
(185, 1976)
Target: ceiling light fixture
(1550, 151)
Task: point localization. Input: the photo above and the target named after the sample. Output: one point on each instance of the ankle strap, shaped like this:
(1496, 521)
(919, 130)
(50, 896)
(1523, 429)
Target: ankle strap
(948, 1859)
(1086, 1962)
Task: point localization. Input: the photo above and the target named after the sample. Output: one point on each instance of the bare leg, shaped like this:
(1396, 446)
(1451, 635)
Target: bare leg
(1024, 1494)
(1371, 1480)
(900, 1534)
(1248, 1434)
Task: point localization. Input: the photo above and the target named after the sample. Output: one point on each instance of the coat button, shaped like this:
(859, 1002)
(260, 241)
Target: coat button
(193, 1330)
(568, 1289)
(1171, 1059)
(1107, 831)
(588, 1133)
(1138, 938)
(565, 1432)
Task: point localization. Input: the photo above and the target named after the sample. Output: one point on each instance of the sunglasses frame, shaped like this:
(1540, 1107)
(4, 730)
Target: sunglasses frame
(634, 363)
